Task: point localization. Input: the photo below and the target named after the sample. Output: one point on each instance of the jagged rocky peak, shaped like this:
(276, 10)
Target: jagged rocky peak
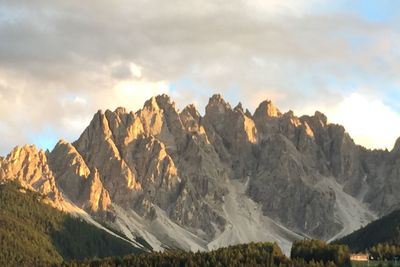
(289, 116)
(157, 106)
(298, 123)
(95, 134)
(267, 109)
(161, 119)
(266, 118)
(64, 156)
(321, 117)
(123, 126)
(248, 113)
(69, 168)
(100, 119)
(239, 107)
(151, 104)
(228, 122)
(216, 118)
(97, 130)
(165, 101)
(29, 166)
(396, 148)
(192, 110)
(191, 119)
(217, 105)
(28, 158)
(295, 128)
(120, 110)
(159, 102)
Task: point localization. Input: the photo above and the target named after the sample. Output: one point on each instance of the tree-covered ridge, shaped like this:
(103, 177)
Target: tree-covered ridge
(313, 254)
(35, 234)
(382, 231)
(316, 250)
(253, 254)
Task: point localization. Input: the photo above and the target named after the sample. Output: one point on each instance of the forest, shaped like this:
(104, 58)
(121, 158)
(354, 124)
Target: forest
(307, 253)
(35, 234)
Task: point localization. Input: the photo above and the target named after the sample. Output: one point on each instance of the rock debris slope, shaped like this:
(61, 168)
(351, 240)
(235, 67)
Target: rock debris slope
(181, 180)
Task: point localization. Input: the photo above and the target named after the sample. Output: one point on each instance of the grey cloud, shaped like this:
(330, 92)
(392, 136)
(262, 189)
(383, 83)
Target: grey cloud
(51, 51)
(121, 71)
(168, 37)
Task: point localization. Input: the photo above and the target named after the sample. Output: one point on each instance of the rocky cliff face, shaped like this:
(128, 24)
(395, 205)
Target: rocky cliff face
(29, 166)
(179, 179)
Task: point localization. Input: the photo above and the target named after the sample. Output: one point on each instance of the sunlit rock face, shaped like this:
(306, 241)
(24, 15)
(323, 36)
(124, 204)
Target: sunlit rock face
(29, 166)
(81, 184)
(174, 177)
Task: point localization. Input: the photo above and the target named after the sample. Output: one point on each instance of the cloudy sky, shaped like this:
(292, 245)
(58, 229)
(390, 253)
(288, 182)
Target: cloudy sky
(61, 61)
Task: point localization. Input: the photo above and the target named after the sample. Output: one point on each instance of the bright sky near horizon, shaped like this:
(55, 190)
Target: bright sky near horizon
(61, 61)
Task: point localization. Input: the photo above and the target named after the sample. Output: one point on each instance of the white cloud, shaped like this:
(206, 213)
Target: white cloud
(279, 7)
(368, 120)
(133, 94)
(80, 100)
(135, 70)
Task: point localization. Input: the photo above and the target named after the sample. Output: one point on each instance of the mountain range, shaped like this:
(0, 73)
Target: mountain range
(179, 179)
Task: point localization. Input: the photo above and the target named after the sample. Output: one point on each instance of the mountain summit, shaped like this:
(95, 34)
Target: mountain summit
(181, 180)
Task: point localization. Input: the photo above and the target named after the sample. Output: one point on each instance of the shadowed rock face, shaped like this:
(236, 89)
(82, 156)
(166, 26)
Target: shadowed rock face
(160, 159)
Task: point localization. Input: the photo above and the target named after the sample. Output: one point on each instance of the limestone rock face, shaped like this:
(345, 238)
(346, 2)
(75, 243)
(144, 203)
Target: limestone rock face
(94, 196)
(382, 180)
(233, 135)
(156, 169)
(82, 185)
(283, 180)
(180, 179)
(161, 120)
(29, 166)
(98, 149)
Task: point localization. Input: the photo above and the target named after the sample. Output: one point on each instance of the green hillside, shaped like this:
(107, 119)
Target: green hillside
(382, 231)
(35, 234)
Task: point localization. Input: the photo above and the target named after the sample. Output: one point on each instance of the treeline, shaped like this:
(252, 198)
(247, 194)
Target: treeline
(253, 254)
(305, 254)
(385, 252)
(316, 250)
(35, 234)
